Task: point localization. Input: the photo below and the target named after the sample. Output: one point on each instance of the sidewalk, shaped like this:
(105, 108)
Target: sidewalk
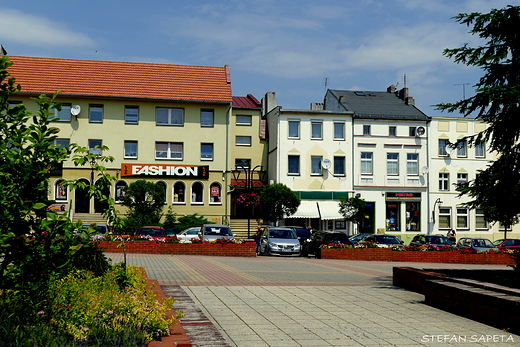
(270, 301)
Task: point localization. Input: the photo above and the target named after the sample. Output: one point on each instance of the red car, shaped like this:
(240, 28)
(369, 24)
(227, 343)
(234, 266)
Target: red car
(152, 231)
(507, 244)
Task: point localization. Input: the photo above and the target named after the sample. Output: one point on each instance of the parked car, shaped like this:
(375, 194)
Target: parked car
(435, 240)
(212, 232)
(101, 229)
(279, 241)
(476, 244)
(188, 234)
(358, 237)
(507, 244)
(153, 231)
(383, 241)
(302, 233)
(170, 232)
(318, 238)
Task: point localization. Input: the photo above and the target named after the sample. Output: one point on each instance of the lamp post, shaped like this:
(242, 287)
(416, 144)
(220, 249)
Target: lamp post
(249, 173)
(438, 201)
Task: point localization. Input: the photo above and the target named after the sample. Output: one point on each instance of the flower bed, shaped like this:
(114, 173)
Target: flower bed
(387, 254)
(246, 249)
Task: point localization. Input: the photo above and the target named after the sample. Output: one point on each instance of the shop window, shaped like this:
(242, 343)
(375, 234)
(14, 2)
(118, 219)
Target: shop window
(120, 191)
(215, 193)
(197, 193)
(393, 213)
(179, 190)
(413, 220)
(61, 191)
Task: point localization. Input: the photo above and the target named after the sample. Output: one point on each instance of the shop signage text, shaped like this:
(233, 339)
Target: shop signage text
(404, 196)
(194, 171)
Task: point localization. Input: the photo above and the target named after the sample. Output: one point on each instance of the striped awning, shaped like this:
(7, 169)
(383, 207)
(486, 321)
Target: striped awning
(307, 209)
(329, 210)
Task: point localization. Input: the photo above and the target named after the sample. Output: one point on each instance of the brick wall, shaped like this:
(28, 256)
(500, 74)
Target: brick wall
(387, 254)
(247, 249)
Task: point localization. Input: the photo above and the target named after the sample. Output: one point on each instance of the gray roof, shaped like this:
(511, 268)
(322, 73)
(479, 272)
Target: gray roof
(377, 105)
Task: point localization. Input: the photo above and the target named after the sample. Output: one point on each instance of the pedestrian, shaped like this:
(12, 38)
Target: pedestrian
(258, 236)
(452, 236)
(310, 229)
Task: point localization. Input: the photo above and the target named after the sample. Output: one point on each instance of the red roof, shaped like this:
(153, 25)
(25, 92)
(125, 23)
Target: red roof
(248, 101)
(120, 79)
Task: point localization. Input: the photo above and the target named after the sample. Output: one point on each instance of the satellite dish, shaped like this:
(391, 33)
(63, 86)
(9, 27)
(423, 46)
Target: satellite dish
(425, 170)
(450, 149)
(75, 110)
(420, 131)
(326, 164)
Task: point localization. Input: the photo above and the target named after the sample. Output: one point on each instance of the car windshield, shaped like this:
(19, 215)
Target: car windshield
(282, 234)
(151, 232)
(438, 240)
(387, 239)
(215, 230)
(302, 233)
(482, 243)
(358, 237)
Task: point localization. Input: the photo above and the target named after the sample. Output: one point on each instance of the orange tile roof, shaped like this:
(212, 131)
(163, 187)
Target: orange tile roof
(119, 79)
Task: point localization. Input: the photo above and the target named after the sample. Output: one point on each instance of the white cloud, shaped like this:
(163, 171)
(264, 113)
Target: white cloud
(38, 31)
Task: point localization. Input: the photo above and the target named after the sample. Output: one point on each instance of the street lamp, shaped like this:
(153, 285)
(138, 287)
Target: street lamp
(249, 173)
(438, 201)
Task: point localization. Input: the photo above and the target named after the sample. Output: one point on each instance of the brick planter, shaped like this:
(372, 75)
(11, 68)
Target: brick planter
(247, 249)
(387, 254)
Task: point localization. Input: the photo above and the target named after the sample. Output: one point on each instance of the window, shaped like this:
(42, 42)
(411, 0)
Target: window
(316, 165)
(316, 130)
(242, 162)
(480, 150)
(215, 190)
(169, 116)
(462, 149)
(444, 181)
(95, 114)
(462, 179)
(243, 120)
(243, 140)
(168, 150)
(63, 115)
(411, 131)
(197, 193)
(480, 220)
(60, 193)
(392, 131)
(131, 114)
(442, 147)
(339, 131)
(94, 146)
(393, 216)
(412, 164)
(293, 165)
(462, 218)
(444, 218)
(206, 151)
(294, 129)
(392, 163)
(61, 143)
(366, 163)
(206, 118)
(366, 130)
(339, 166)
(413, 222)
(130, 150)
(120, 191)
(179, 190)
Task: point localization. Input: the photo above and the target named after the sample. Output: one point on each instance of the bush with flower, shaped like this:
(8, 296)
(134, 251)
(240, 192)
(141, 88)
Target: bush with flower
(223, 241)
(335, 244)
(248, 199)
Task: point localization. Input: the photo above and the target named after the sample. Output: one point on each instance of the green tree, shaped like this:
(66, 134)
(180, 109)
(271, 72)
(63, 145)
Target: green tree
(192, 220)
(353, 209)
(276, 201)
(145, 202)
(496, 189)
(35, 244)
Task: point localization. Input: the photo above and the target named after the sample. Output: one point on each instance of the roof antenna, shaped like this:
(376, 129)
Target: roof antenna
(404, 80)
(325, 84)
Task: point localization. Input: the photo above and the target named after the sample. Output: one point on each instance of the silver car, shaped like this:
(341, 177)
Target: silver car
(187, 234)
(279, 241)
(476, 244)
(212, 232)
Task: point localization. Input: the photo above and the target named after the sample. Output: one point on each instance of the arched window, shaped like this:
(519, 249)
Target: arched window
(60, 191)
(197, 193)
(215, 193)
(179, 193)
(165, 188)
(120, 191)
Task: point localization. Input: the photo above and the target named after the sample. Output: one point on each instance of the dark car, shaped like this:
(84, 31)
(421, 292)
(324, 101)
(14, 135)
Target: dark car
(476, 244)
(513, 244)
(302, 233)
(279, 241)
(153, 232)
(383, 241)
(435, 240)
(358, 237)
(318, 238)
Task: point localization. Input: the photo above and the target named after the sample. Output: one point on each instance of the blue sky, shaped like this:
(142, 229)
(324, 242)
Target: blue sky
(288, 47)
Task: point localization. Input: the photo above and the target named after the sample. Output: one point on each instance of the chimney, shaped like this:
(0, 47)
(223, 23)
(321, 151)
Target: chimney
(317, 106)
(342, 99)
(269, 102)
(403, 93)
(2, 50)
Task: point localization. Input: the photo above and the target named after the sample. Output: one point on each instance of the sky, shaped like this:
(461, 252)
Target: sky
(295, 48)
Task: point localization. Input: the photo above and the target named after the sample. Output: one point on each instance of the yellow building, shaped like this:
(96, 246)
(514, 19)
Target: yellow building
(171, 124)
